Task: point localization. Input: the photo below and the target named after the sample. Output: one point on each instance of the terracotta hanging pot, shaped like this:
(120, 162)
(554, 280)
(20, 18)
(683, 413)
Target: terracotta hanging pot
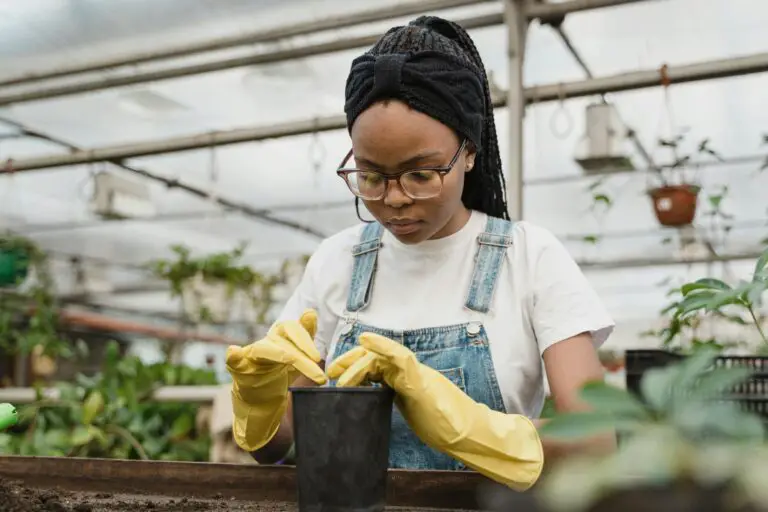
(675, 205)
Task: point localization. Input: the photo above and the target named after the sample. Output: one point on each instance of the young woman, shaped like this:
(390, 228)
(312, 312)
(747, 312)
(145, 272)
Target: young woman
(444, 298)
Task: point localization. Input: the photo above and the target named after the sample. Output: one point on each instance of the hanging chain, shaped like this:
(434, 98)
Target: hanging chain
(317, 155)
(213, 174)
(561, 114)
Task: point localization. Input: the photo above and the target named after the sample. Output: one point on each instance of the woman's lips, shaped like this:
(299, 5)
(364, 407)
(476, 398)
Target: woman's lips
(403, 227)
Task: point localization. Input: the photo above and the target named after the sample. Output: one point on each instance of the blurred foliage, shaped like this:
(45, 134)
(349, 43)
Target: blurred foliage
(686, 427)
(683, 429)
(28, 308)
(111, 415)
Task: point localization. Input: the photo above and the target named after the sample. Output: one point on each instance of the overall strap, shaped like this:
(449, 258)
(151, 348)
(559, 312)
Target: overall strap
(364, 254)
(492, 246)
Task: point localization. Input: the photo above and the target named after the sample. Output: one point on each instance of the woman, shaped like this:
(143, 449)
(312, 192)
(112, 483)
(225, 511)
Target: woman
(442, 297)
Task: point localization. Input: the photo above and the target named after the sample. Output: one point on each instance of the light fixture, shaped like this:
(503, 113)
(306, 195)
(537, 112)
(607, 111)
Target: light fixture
(605, 146)
(117, 197)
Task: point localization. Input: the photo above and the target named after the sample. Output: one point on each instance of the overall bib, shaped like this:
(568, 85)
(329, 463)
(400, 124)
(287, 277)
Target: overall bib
(460, 352)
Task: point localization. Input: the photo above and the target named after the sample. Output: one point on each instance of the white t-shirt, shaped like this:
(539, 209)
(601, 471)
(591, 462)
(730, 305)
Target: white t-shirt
(541, 298)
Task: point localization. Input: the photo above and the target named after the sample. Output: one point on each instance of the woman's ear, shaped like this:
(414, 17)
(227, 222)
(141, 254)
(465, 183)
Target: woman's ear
(470, 158)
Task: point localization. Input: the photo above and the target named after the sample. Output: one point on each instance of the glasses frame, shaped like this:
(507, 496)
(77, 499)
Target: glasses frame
(441, 170)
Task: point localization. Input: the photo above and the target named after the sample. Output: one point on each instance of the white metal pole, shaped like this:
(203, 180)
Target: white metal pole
(336, 45)
(736, 66)
(517, 29)
(261, 36)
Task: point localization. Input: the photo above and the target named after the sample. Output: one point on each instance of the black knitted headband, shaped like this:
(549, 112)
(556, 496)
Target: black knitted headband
(425, 69)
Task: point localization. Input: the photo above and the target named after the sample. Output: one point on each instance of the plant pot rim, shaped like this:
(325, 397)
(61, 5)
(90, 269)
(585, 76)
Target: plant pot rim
(688, 187)
(350, 389)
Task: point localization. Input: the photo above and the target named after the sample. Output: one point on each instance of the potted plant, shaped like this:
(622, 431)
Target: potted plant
(710, 299)
(207, 285)
(211, 286)
(683, 447)
(675, 198)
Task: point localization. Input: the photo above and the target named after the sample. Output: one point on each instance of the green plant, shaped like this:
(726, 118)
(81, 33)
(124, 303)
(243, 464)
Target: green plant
(680, 159)
(713, 295)
(29, 311)
(713, 298)
(684, 431)
(111, 415)
(224, 269)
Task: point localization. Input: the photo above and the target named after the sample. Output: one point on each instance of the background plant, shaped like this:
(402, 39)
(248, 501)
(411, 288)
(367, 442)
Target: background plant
(28, 308)
(224, 268)
(682, 158)
(682, 429)
(111, 415)
(710, 298)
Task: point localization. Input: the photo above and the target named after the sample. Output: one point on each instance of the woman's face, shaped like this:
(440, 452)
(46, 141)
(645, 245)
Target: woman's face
(390, 137)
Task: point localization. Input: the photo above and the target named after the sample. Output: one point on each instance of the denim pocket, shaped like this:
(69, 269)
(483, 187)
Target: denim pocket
(455, 375)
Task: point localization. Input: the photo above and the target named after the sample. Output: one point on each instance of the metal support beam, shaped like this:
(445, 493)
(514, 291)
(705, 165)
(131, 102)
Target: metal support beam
(709, 70)
(537, 11)
(262, 36)
(517, 31)
(248, 211)
(666, 261)
(184, 394)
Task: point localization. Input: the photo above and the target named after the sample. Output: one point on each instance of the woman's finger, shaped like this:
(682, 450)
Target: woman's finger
(344, 361)
(362, 370)
(294, 333)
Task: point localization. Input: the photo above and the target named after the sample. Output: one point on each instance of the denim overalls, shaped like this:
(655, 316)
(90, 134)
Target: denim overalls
(460, 351)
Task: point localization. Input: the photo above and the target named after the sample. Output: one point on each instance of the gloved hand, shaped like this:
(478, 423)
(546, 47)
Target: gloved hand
(263, 371)
(503, 447)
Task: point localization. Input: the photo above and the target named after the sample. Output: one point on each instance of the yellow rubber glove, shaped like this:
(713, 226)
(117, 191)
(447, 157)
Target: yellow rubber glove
(503, 447)
(263, 371)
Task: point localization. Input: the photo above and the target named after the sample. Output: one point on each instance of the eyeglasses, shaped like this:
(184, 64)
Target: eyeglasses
(419, 183)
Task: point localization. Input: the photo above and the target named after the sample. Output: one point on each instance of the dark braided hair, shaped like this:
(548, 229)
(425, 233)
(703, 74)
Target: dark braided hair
(484, 187)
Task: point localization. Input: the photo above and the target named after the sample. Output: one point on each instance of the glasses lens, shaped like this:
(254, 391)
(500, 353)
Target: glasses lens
(422, 184)
(367, 185)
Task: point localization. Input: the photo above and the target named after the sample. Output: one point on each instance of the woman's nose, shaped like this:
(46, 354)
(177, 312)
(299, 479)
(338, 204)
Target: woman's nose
(395, 196)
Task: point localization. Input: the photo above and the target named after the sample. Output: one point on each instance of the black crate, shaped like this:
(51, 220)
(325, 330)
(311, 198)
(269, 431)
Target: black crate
(752, 394)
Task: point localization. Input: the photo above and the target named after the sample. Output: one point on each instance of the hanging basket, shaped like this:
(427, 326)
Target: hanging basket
(675, 205)
(14, 267)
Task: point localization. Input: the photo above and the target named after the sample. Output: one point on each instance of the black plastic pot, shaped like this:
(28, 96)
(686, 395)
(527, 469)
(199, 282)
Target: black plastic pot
(342, 447)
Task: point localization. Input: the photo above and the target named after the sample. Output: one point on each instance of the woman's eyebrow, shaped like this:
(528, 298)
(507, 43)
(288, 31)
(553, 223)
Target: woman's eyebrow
(410, 161)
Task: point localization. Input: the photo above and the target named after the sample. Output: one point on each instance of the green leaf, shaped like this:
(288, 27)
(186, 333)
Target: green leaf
(705, 284)
(695, 302)
(580, 425)
(729, 298)
(81, 436)
(656, 387)
(720, 381)
(93, 405)
(182, 426)
(693, 367)
(608, 399)
(761, 264)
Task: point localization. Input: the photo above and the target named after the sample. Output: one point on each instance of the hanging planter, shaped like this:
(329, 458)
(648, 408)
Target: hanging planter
(675, 205)
(676, 196)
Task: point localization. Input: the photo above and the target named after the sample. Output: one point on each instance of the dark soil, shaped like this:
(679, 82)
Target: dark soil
(15, 497)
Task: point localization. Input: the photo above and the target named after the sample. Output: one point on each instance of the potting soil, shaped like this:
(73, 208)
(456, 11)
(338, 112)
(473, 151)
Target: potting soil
(15, 497)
